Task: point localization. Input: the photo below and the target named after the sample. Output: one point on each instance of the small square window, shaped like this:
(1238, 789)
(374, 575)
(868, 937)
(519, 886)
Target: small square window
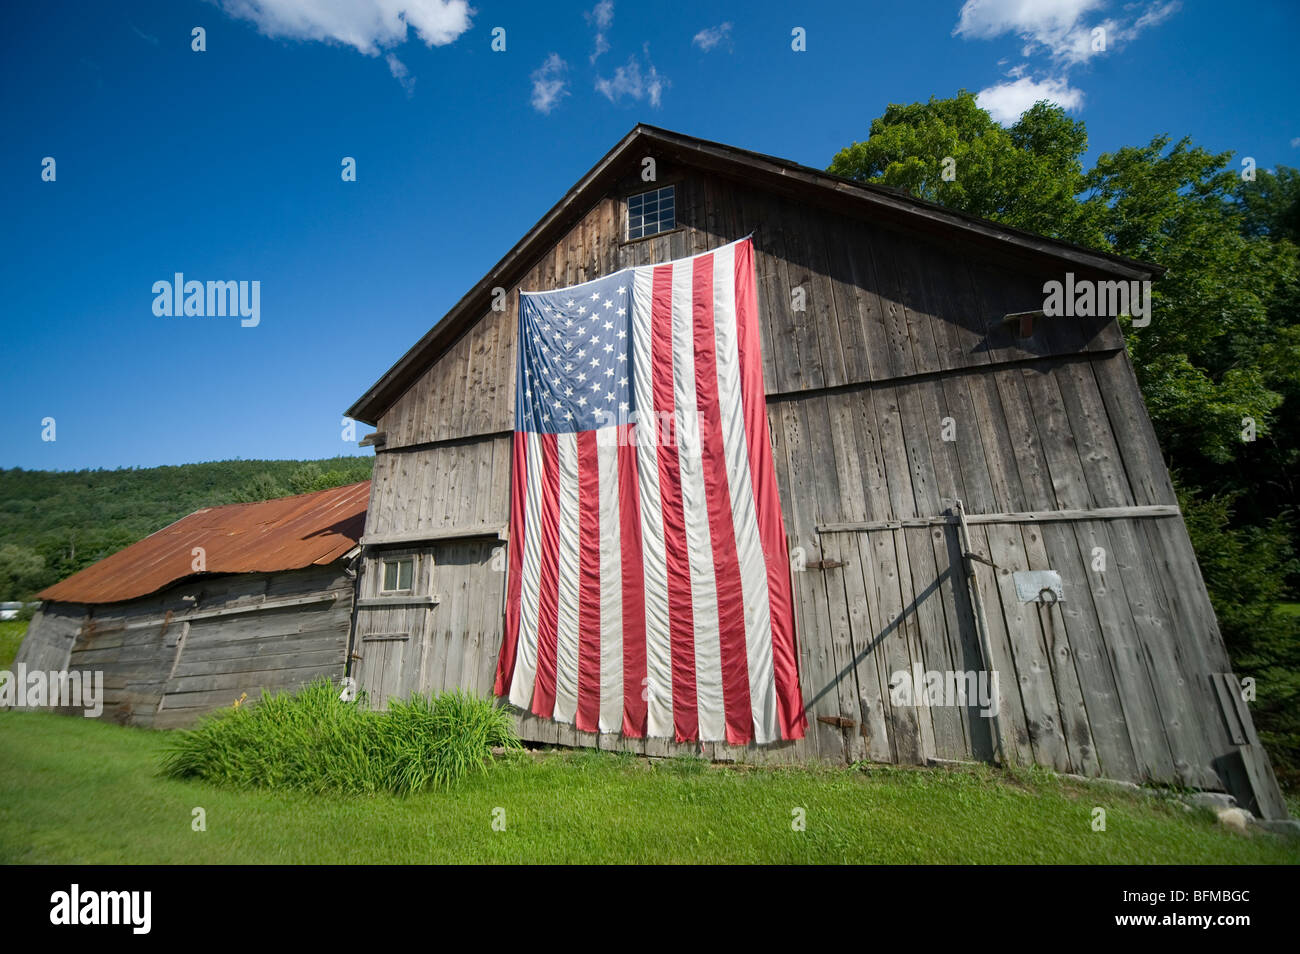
(651, 212)
(397, 574)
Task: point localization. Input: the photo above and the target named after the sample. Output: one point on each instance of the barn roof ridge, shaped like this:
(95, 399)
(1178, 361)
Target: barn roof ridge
(904, 209)
(289, 533)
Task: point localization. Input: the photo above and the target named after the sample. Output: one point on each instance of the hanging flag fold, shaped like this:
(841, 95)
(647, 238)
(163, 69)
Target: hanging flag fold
(649, 589)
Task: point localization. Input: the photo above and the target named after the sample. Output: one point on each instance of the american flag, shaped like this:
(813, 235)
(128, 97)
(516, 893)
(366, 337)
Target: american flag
(649, 588)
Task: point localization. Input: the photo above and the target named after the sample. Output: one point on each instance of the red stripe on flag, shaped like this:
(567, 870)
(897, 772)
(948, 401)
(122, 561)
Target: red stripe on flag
(590, 636)
(722, 530)
(767, 500)
(518, 487)
(681, 617)
(629, 534)
(548, 621)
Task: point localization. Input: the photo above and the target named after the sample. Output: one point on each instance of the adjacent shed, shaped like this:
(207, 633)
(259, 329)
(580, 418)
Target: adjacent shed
(228, 601)
(902, 376)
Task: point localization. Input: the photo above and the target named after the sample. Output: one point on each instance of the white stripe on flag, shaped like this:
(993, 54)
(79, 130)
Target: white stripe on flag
(611, 584)
(521, 686)
(699, 543)
(658, 647)
(744, 515)
(566, 668)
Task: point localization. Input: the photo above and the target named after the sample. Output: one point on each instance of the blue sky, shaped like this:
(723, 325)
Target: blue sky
(225, 165)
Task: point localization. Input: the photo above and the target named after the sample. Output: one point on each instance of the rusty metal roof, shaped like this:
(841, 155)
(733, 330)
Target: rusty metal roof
(283, 534)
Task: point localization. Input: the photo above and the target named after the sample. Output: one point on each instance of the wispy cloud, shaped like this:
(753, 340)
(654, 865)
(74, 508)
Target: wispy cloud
(1066, 33)
(632, 82)
(710, 37)
(365, 25)
(400, 73)
(601, 16)
(142, 35)
(549, 83)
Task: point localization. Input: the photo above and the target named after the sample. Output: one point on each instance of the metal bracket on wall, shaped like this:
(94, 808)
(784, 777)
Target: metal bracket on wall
(1039, 586)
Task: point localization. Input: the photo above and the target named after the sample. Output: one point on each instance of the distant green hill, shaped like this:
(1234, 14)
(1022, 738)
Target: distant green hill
(53, 523)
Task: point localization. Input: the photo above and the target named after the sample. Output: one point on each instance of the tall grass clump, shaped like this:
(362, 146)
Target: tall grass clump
(311, 741)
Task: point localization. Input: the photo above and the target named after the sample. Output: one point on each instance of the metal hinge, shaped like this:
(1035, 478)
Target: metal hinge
(840, 722)
(824, 564)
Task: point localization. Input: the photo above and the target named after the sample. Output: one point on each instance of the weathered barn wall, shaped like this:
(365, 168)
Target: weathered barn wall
(50, 636)
(900, 334)
(167, 659)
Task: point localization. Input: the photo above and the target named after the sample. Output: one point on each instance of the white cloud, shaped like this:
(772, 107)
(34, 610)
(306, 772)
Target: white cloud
(1006, 101)
(400, 73)
(1068, 33)
(631, 82)
(1295, 142)
(601, 16)
(549, 84)
(710, 37)
(365, 25)
(1060, 28)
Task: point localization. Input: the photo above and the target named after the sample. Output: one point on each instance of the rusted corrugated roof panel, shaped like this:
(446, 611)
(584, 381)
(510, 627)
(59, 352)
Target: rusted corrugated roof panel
(284, 534)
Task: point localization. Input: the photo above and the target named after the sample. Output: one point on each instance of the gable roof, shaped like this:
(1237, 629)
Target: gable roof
(283, 534)
(847, 196)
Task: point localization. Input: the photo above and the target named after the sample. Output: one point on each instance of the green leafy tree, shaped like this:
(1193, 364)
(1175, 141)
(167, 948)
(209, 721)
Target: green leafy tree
(22, 572)
(1270, 205)
(1214, 353)
(951, 152)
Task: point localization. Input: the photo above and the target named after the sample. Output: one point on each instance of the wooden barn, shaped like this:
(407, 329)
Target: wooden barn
(966, 484)
(228, 601)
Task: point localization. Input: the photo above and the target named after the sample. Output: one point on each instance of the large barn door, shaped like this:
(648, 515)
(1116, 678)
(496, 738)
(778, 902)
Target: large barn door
(897, 610)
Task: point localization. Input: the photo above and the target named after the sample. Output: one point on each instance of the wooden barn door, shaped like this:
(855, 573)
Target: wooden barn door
(464, 632)
(443, 634)
(874, 604)
(381, 651)
(391, 623)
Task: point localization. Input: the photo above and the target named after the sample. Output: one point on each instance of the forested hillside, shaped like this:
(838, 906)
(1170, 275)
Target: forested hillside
(53, 523)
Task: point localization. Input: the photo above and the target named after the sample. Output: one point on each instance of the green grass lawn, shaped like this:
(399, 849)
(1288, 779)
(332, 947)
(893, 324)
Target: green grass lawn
(79, 791)
(12, 632)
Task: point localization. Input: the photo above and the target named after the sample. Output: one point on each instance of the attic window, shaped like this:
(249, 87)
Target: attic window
(397, 574)
(651, 213)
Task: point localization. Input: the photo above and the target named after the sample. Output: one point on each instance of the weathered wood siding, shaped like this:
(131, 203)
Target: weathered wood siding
(164, 671)
(50, 636)
(438, 488)
(901, 344)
